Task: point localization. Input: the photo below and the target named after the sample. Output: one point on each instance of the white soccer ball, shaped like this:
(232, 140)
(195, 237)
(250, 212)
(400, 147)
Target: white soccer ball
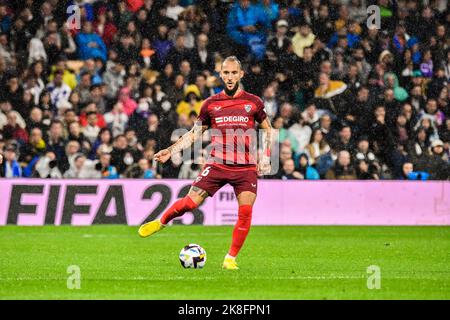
(193, 256)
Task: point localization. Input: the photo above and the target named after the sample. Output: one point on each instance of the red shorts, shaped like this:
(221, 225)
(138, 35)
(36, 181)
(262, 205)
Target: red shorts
(213, 177)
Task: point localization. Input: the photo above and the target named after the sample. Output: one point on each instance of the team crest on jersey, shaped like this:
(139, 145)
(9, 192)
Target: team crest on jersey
(247, 107)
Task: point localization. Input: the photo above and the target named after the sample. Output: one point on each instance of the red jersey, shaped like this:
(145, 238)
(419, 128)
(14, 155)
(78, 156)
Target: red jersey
(233, 121)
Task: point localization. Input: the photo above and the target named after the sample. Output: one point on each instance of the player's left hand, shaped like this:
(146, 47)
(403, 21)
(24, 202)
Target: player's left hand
(264, 167)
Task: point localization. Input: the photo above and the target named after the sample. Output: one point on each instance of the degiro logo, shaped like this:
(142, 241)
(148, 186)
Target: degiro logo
(231, 119)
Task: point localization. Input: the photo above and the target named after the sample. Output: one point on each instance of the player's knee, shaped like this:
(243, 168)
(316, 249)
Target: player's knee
(245, 213)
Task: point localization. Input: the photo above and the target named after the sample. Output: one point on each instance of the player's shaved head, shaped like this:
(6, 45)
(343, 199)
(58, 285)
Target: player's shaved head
(231, 74)
(234, 59)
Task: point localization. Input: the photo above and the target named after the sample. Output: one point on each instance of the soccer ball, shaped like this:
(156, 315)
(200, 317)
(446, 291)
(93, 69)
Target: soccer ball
(193, 256)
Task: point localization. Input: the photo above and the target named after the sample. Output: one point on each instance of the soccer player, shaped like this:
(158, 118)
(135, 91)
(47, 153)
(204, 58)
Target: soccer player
(224, 112)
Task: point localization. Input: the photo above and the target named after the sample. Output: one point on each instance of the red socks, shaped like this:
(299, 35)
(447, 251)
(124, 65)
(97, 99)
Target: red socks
(178, 209)
(241, 229)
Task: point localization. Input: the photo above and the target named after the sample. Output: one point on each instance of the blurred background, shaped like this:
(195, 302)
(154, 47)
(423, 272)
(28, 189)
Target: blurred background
(95, 91)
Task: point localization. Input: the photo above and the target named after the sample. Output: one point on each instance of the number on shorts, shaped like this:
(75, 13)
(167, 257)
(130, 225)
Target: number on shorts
(206, 171)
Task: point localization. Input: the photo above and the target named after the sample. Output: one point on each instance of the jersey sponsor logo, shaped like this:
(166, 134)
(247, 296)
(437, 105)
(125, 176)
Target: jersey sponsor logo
(231, 119)
(248, 107)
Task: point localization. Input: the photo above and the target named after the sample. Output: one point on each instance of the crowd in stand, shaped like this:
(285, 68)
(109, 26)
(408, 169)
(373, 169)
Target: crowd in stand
(92, 89)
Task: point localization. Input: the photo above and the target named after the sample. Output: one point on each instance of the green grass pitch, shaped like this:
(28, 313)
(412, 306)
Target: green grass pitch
(294, 262)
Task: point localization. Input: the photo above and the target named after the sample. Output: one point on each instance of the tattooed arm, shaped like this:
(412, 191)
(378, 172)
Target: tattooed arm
(264, 166)
(184, 142)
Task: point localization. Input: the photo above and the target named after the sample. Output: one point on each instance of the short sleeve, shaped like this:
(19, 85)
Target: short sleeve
(204, 116)
(260, 114)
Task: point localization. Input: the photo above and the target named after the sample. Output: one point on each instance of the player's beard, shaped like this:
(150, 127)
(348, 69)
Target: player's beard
(231, 92)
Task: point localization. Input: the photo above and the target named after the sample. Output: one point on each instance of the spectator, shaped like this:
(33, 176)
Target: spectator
(363, 171)
(122, 156)
(311, 115)
(304, 168)
(201, 83)
(302, 133)
(128, 103)
(91, 107)
(317, 146)
(426, 66)
(10, 167)
(47, 167)
(13, 94)
(322, 24)
(270, 101)
(368, 166)
(35, 120)
(59, 91)
(5, 19)
(303, 38)
(127, 48)
(409, 174)
(114, 77)
(343, 169)
(183, 29)
(344, 140)
(90, 45)
(104, 140)
(104, 27)
(247, 27)
(56, 142)
(381, 137)
(288, 172)
(437, 164)
(325, 123)
(391, 82)
(191, 169)
(36, 51)
(103, 168)
(147, 55)
(91, 130)
(278, 45)
(116, 119)
(432, 113)
(332, 96)
(192, 101)
(173, 9)
(76, 134)
(83, 88)
(270, 9)
(12, 130)
(162, 45)
(178, 53)
(68, 77)
(141, 170)
(202, 57)
(75, 170)
(357, 10)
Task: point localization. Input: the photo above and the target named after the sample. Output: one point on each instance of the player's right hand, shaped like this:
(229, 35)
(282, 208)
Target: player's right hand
(162, 156)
